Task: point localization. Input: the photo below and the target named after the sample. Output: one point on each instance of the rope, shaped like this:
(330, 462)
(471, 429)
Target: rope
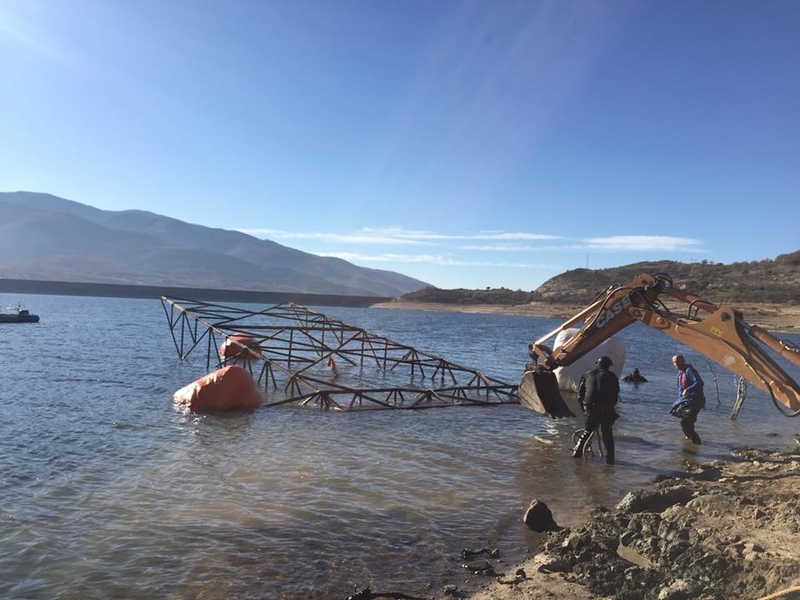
(741, 394)
(714, 377)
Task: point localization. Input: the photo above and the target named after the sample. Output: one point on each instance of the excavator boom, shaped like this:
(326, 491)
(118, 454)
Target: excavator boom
(718, 332)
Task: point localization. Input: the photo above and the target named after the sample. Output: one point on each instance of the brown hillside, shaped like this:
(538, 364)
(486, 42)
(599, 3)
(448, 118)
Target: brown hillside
(766, 281)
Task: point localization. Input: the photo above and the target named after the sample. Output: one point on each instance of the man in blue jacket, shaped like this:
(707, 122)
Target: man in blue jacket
(691, 399)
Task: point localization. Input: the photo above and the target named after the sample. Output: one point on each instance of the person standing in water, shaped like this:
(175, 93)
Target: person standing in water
(598, 394)
(691, 398)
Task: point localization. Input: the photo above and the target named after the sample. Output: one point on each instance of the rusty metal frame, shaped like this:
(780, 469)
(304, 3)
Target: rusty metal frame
(295, 345)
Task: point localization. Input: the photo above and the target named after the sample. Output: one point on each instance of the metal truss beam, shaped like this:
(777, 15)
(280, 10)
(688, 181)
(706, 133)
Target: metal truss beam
(302, 357)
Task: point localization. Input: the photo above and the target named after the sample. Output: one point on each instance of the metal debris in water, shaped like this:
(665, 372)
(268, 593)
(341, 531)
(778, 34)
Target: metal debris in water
(302, 357)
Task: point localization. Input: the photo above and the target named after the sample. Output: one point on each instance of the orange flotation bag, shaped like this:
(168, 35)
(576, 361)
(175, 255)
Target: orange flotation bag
(230, 349)
(229, 388)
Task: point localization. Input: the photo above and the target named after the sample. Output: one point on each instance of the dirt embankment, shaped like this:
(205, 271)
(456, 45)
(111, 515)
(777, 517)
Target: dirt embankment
(773, 317)
(721, 531)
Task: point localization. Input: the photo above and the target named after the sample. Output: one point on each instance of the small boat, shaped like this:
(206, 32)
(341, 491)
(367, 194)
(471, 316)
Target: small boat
(17, 314)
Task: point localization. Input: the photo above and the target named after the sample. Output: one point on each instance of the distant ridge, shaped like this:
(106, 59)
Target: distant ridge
(766, 281)
(771, 281)
(47, 238)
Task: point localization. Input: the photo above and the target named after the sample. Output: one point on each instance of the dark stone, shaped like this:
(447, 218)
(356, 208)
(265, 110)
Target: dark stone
(556, 566)
(538, 517)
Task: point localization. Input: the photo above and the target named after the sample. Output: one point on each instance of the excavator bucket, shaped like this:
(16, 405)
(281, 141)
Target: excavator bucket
(538, 390)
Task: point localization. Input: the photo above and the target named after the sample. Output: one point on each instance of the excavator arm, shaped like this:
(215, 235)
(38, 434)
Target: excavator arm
(718, 332)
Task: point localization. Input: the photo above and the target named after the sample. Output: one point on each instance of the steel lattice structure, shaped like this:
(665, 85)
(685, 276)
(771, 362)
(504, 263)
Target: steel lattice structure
(302, 357)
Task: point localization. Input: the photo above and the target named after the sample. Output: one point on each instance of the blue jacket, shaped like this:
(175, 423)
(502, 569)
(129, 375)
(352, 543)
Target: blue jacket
(689, 381)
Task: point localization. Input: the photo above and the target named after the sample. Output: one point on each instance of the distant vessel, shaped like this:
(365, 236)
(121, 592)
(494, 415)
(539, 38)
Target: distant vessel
(17, 314)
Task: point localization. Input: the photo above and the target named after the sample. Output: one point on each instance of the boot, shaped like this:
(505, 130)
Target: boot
(578, 451)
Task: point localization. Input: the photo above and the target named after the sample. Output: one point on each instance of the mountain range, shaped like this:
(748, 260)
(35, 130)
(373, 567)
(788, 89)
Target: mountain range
(44, 237)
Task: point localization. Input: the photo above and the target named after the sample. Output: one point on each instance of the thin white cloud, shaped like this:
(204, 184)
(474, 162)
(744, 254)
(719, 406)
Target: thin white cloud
(510, 236)
(496, 242)
(432, 259)
(359, 237)
(394, 235)
(498, 248)
(639, 243)
(617, 243)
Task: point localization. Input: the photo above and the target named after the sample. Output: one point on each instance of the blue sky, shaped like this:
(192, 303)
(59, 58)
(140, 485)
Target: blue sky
(465, 143)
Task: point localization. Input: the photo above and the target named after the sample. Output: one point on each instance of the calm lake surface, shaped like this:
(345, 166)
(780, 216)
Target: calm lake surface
(109, 491)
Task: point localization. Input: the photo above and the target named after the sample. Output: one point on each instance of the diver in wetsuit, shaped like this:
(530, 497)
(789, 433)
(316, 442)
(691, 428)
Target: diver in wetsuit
(635, 377)
(598, 395)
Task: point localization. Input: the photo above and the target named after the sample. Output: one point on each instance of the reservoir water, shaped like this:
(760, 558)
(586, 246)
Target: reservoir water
(109, 491)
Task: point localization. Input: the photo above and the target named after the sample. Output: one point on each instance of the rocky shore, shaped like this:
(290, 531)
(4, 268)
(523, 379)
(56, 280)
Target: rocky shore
(723, 530)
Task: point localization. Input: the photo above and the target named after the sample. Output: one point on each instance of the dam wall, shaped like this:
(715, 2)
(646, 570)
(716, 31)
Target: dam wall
(112, 290)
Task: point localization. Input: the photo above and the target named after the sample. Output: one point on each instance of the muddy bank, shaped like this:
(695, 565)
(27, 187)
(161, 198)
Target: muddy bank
(721, 530)
(774, 317)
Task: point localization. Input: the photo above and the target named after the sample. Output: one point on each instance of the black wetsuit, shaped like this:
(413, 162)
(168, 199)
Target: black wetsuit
(598, 395)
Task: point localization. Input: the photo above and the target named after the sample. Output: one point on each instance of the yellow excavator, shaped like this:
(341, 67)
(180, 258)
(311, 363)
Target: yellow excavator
(718, 332)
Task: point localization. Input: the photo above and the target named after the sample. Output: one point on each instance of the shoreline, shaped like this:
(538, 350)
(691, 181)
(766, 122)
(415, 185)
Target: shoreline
(773, 317)
(723, 529)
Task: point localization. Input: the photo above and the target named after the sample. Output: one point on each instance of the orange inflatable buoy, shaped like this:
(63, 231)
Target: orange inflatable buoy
(229, 388)
(231, 350)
